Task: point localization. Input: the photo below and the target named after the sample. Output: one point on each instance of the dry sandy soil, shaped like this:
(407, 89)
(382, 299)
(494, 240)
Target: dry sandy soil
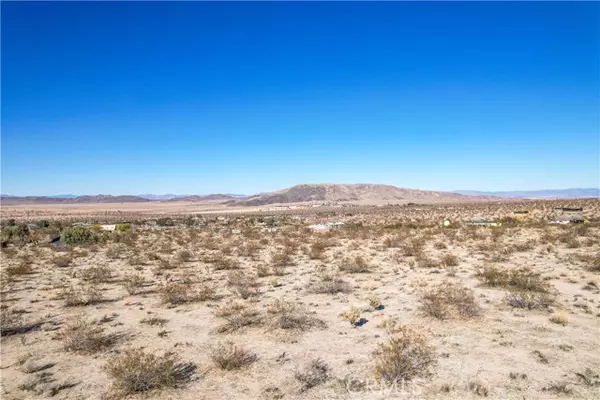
(440, 312)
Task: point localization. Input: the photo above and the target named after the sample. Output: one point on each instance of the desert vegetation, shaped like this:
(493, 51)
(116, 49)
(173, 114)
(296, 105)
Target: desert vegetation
(259, 306)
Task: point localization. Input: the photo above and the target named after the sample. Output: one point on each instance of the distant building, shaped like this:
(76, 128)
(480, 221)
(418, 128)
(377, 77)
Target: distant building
(485, 222)
(568, 219)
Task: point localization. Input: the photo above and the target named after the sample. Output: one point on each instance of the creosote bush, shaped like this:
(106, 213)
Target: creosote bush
(314, 373)
(84, 336)
(449, 300)
(96, 274)
(356, 265)
(176, 293)
(530, 300)
(62, 261)
(242, 285)
(289, 316)
(135, 371)
(514, 279)
(228, 356)
(81, 296)
(352, 316)
(133, 283)
(405, 356)
(79, 235)
(329, 283)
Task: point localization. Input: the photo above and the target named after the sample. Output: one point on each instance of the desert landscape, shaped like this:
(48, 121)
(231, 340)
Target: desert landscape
(338, 301)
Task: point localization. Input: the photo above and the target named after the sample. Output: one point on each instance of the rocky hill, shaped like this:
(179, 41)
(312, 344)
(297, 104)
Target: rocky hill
(363, 193)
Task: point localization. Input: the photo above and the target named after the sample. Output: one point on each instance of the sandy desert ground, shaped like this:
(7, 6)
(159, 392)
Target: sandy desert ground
(392, 305)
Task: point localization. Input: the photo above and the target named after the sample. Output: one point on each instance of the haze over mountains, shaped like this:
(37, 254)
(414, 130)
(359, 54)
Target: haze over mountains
(359, 193)
(576, 193)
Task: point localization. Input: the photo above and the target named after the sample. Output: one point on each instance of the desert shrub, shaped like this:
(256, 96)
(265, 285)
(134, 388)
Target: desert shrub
(62, 261)
(317, 250)
(242, 285)
(290, 316)
(375, 302)
(313, 374)
(478, 387)
(352, 316)
(449, 260)
(440, 245)
(78, 235)
(514, 279)
(23, 268)
(449, 300)
(220, 262)
(560, 317)
(392, 241)
(413, 247)
(249, 249)
(281, 259)
(134, 371)
(356, 265)
(530, 300)
(330, 284)
(123, 227)
(229, 309)
(593, 263)
(135, 260)
(81, 296)
(238, 319)
(167, 264)
(184, 256)
(405, 356)
(165, 222)
(153, 321)
(15, 234)
(560, 388)
(228, 356)
(262, 270)
(12, 322)
(176, 293)
(96, 274)
(83, 336)
(424, 261)
(115, 252)
(206, 292)
(133, 283)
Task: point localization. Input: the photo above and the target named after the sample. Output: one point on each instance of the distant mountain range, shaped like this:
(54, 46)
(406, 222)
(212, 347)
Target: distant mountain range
(359, 193)
(577, 193)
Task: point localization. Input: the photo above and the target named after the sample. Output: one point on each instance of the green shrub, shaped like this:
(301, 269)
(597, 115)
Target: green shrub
(78, 235)
(16, 234)
(123, 227)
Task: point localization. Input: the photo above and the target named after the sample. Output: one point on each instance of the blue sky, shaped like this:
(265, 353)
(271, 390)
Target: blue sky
(198, 97)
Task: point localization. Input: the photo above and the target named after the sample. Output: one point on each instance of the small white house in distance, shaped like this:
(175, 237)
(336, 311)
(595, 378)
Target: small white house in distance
(319, 227)
(109, 228)
(568, 219)
(327, 226)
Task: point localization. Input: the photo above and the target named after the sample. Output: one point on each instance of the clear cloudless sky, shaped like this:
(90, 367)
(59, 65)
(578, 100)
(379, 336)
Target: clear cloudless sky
(200, 97)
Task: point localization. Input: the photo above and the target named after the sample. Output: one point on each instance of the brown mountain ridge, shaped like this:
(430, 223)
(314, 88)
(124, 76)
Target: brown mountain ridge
(360, 193)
